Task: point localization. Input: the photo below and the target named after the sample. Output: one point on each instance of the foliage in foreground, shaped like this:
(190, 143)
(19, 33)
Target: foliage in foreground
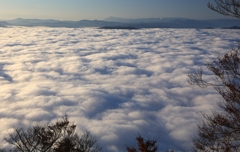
(144, 146)
(221, 130)
(59, 137)
(149, 145)
(226, 7)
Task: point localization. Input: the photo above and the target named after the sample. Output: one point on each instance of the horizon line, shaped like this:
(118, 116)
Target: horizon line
(117, 18)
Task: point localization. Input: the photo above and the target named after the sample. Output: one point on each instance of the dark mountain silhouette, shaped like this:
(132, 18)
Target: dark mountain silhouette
(119, 27)
(179, 22)
(122, 20)
(58, 23)
(232, 27)
(112, 22)
(4, 24)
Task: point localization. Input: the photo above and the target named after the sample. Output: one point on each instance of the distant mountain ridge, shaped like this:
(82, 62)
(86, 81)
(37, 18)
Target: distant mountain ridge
(58, 23)
(140, 20)
(121, 22)
(180, 22)
(4, 24)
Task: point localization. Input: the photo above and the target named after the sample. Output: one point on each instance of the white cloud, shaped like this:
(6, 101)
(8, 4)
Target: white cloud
(115, 83)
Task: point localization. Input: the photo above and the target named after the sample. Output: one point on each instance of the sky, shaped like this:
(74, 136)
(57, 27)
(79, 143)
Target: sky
(115, 83)
(100, 9)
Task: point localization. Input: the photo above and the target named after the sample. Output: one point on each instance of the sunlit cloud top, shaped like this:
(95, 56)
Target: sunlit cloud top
(115, 83)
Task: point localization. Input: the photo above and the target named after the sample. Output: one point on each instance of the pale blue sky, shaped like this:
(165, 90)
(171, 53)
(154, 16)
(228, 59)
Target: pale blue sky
(100, 9)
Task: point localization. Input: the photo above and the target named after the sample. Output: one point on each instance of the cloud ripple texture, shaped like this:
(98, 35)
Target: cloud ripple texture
(115, 83)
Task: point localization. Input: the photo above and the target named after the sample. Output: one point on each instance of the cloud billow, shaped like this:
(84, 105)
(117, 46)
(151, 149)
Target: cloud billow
(115, 83)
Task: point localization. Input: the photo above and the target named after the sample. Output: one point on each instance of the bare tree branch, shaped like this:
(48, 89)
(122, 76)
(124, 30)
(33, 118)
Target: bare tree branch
(221, 130)
(59, 137)
(226, 7)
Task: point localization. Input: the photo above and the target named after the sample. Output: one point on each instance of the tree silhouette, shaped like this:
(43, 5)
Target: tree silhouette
(59, 137)
(221, 130)
(144, 146)
(226, 7)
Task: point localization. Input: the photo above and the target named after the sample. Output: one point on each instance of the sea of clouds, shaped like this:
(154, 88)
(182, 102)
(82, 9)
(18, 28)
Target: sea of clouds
(115, 83)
